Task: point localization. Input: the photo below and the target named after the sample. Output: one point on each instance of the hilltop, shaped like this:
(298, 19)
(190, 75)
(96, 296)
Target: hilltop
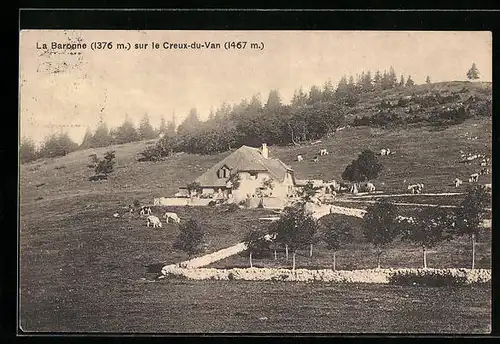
(449, 94)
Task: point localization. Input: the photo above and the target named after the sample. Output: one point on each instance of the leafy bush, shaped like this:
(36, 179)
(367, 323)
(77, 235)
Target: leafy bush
(256, 244)
(191, 238)
(27, 150)
(386, 118)
(57, 145)
(102, 167)
(365, 167)
(449, 116)
(481, 108)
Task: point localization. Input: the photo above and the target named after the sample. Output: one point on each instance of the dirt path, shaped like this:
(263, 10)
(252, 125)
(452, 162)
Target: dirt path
(404, 204)
(410, 195)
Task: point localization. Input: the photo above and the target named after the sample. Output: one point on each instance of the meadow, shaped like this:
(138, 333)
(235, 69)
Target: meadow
(81, 269)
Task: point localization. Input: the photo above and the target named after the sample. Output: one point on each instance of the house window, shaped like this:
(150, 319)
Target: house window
(223, 173)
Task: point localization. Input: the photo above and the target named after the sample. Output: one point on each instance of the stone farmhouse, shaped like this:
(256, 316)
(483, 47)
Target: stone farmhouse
(258, 176)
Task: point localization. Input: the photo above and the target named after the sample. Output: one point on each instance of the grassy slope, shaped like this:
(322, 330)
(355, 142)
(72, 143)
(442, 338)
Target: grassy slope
(421, 155)
(80, 267)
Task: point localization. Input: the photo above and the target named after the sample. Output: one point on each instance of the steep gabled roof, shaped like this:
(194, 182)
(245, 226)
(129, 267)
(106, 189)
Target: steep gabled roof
(244, 159)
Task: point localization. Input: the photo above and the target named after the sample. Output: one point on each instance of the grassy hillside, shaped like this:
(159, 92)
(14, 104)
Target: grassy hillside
(421, 156)
(82, 269)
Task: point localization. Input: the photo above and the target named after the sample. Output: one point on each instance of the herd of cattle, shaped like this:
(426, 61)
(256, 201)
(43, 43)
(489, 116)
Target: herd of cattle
(469, 158)
(466, 158)
(324, 151)
(152, 220)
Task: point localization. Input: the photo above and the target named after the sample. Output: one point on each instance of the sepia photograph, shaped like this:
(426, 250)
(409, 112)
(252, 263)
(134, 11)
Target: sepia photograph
(334, 182)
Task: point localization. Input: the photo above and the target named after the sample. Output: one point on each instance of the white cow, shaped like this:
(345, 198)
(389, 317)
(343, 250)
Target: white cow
(387, 151)
(383, 152)
(485, 170)
(353, 189)
(172, 216)
(370, 187)
(153, 220)
(410, 219)
(474, 177)
(457, 182)
(416, 188)
(323, 152)
(145, 211)
(300, 158)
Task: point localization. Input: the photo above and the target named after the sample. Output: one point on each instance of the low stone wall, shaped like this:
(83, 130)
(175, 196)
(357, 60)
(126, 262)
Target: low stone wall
(380, 276)
(210, 258)
(319, 211)
(176, 202)
(348, 211)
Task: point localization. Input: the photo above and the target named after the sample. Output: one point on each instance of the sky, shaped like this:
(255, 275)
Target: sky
(66, 90)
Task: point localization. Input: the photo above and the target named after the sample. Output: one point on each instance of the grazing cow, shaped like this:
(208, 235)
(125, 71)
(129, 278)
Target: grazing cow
(300, 158)
(323, 152)
(474, 178)
(153, 220)
(383, 152)
(145, 211)
(487, 186)
(370, 187)
(483, 163)
(400, 219)
(116, 215)
(416, 188)
(353, 189)
(172, 216)
(485, 171)
(457, 182)
(315, 159)
(387, 151)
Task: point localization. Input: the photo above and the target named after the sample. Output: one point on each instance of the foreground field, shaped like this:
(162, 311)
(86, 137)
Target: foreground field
(90, 272)
(179, 306)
